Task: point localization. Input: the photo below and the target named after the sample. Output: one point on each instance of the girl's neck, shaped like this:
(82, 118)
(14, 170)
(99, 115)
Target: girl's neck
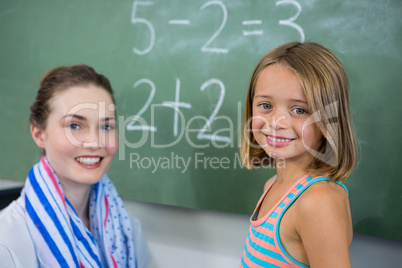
(290, 172)
(78, 196)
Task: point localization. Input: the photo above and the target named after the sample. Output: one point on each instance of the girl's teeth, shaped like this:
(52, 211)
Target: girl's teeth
(88, 160)
(280, 140)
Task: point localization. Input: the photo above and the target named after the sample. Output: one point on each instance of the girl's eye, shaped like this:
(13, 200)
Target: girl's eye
(266, 106)
(73, 126)
(299, 111)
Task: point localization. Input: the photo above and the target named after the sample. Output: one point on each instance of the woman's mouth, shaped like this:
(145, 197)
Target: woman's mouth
(89, 162)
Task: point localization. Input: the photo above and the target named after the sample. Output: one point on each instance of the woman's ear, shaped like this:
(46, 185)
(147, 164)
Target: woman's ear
(39, 136)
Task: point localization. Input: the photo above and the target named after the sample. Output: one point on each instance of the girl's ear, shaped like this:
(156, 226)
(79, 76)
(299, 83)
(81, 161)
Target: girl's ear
(39, 136)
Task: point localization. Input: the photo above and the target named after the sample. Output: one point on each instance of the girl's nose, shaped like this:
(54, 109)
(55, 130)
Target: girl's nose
(278, 120)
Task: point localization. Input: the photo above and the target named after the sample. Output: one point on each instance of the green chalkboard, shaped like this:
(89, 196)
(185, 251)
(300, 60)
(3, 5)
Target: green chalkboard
(177, 65)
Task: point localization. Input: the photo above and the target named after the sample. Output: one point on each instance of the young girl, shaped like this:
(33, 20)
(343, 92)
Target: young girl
(69, 213)
(297, 117)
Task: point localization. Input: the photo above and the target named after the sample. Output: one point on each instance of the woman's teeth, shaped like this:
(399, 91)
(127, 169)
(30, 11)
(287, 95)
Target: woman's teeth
(88, 160)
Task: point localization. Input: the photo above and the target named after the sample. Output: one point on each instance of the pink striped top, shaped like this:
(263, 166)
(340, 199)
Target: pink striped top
(263, 247)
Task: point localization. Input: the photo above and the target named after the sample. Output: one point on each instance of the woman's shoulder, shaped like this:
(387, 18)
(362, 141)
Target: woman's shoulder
(141, 247)
(13, 216)
(16, 246)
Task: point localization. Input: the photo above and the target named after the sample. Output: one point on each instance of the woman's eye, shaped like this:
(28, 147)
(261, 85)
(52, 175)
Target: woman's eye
(299, 111)
(108, 127)
(266, 106)
(73, 126)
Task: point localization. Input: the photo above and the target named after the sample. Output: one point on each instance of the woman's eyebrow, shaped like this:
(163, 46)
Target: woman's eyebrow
(108, 118)
(80, 117)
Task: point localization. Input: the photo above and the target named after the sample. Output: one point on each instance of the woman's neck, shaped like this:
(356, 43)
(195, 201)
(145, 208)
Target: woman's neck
(78, 196)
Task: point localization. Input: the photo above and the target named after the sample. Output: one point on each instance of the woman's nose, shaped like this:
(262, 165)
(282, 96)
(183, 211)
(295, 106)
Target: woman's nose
(92, 140)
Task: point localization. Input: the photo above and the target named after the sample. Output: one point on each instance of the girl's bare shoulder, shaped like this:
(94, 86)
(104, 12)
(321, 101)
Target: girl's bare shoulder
(269, 181)
(324, 224)
(324, 191)
(324, 202)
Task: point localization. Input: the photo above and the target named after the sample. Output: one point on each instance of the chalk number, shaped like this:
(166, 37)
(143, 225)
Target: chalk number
(135, 19)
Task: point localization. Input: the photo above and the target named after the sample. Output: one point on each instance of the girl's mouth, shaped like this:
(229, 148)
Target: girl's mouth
(278, 141)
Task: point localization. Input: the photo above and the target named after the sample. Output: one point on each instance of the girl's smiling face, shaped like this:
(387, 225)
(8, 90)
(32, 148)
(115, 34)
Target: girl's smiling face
(280, 110)
(80, 138)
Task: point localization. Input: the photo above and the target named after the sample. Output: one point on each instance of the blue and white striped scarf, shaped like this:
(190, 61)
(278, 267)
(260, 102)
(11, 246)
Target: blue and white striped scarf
(60, 237)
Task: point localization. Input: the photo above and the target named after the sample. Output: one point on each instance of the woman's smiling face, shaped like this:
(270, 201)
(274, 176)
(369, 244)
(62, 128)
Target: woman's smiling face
(80, 137)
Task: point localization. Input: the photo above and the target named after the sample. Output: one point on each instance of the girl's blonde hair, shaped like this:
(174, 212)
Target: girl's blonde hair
(325, 86)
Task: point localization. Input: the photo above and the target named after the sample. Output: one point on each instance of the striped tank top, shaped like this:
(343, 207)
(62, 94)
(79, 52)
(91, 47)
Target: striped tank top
(263, 247)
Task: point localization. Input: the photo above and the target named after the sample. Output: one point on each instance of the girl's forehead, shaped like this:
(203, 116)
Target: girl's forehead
(277, 80)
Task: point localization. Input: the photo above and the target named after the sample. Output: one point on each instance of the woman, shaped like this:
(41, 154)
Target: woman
(69, 213)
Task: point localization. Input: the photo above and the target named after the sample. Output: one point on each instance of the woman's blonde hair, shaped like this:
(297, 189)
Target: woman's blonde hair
(325, 86)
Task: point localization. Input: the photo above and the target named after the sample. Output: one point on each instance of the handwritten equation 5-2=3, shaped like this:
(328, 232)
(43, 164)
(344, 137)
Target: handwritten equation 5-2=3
(252, 27)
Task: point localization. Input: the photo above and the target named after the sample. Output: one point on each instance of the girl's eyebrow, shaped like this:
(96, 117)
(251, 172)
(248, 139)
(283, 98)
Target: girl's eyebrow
(267, 97)
(298, 100)
(262, 96)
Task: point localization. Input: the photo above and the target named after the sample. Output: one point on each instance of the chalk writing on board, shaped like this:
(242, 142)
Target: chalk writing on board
(251, 27)
(137, 123)
(201, 135)
(252, 22)
(185, 22)
(207, 47)
(176, 105)
(131, 125)
(290, 22)
(135, 19)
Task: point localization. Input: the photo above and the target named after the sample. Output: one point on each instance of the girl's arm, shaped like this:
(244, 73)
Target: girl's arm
(325, 225)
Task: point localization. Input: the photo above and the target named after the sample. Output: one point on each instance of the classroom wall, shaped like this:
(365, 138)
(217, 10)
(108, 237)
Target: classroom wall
(183, 237)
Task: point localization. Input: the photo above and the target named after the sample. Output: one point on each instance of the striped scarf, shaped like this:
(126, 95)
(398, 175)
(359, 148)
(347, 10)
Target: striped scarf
(60, 237)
